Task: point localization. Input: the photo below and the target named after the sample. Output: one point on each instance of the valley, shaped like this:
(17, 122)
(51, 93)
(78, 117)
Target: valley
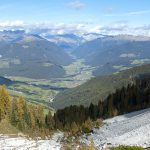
(59, 70)
(50, 76)
(42, 91)
(98, 88)
(74, 75)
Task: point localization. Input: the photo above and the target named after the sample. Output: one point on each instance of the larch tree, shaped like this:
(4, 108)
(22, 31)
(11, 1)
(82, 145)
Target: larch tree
(5, 103)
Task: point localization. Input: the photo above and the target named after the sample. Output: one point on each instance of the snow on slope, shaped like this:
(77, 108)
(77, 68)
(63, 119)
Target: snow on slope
(129, 129)
(22, 143)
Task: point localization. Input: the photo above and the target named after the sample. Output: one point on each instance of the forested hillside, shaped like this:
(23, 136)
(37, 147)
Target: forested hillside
(75, 119)
(24, 116)
(126, 99)
(98, 88)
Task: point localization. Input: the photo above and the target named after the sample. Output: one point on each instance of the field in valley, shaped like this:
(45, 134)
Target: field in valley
(43, 91)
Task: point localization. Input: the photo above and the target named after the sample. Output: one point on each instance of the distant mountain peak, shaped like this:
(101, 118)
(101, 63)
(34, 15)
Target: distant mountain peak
(18, 31)
(127, 37)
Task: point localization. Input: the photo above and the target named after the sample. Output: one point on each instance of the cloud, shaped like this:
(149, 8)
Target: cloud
(128, 55)
(133, 13)
(12, 24)
(139, 12)
(118, 25)
(145, 28)
(77, 5)
(61, 28)
(81, 29)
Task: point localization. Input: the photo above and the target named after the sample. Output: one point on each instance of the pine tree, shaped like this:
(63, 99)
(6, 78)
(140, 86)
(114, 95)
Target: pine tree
(26, 116)
(40, 116)
(32, 117)
(110, 106)
(93, 111)
(20, 108)
(49, 121)
(100, 108)
(14, 116)
(18, 113)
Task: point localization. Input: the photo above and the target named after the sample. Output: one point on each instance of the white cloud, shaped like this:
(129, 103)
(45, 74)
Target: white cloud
(132, 13)
(77, 5)
(86, 30)
(119, 27)
(46, 27)
(116, 26)
(128, 55)
(139, 12)
(17, 23)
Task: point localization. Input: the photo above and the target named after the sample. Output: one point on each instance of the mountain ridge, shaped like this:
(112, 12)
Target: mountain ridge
(31, 56)
(98, 88)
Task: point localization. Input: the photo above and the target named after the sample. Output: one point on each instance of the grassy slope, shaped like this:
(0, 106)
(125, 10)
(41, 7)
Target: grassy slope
(97, 88)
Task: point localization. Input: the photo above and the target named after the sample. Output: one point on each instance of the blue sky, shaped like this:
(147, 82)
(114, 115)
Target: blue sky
(68, 11)
(134, 13)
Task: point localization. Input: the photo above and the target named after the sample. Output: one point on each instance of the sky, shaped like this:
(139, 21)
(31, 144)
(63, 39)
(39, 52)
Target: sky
(99, 16)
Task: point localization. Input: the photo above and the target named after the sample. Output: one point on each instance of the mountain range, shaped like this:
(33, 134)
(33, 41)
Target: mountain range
(114, 53)
(22, 52)
(44, 57)
(30, 55)
(68, 42)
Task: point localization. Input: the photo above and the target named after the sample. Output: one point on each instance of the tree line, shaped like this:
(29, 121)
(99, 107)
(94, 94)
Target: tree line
(24, 116)
(127, 99)
(29, 117)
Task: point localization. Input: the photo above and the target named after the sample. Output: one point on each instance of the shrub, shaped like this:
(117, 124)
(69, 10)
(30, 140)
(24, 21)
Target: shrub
(74, 128)
(98, 123)
(87, 126)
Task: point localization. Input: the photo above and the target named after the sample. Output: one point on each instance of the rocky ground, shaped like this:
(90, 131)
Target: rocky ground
(129, 129)
(24, 143)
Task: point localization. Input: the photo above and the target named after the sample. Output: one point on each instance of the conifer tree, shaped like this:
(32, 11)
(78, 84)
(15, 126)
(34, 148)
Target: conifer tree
(49, 121)
(5, 103)
(32, 117)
